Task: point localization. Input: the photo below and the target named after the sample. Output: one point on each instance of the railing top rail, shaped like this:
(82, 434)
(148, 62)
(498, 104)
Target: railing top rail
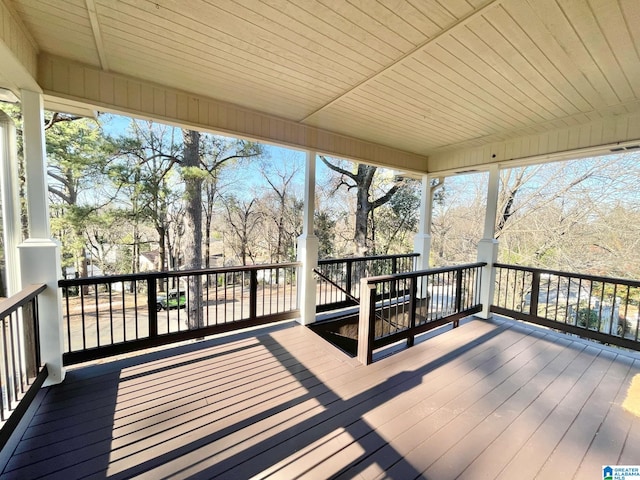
(420, 273)
(173, 273)
(325, 261)
(11, 304)
(593, 278)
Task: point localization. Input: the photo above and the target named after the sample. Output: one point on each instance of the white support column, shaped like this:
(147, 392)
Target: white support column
(308, 247)
(488, 246)
(422, 239)
(35, 164)
(12, 229)
(39, 263)
(40, 255)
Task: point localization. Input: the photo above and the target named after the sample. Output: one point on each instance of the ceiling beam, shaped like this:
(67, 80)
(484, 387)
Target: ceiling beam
(97, 34)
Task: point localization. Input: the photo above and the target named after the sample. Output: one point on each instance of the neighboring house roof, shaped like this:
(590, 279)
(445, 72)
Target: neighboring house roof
(152, 257)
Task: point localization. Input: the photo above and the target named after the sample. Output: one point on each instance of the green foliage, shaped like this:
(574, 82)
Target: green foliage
(193, 173)
(77, 155)
(396, 221)
(587, 317)
(324, 229)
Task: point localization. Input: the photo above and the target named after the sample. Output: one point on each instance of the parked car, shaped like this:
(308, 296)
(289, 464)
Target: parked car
(173, 299)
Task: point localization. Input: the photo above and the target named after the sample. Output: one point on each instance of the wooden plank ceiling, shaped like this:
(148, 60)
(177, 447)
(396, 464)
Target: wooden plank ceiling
(422, 76)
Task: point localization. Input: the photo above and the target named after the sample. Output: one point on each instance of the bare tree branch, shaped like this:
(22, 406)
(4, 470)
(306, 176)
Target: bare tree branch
(58, 118)
(60, 194)
(337, 169)
(387, 196)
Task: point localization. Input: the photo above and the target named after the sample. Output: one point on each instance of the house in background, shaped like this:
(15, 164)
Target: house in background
(150, 261)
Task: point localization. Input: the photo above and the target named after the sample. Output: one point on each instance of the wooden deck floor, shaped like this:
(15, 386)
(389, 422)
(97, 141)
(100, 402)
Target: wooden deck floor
(487, 400)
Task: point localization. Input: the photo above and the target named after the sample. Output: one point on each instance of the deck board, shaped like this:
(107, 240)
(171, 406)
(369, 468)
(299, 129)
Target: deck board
(487, 400)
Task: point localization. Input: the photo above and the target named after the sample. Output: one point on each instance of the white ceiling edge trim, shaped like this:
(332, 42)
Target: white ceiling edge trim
(65, 80)
(67, 106)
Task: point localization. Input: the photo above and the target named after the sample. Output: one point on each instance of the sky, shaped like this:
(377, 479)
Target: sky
(251, 181)
(117, 125)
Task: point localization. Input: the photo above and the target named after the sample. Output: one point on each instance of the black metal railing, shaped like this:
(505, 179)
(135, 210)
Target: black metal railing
(600, 308)
(21, 369)
(106, 316)
(339, 278)
(399, 307)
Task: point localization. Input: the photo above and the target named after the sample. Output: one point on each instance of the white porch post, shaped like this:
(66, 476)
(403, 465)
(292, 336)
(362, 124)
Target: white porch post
(12, 230)
(488, 246)
(422, 239)
(308, 247)
(35, 164)
(40, 255)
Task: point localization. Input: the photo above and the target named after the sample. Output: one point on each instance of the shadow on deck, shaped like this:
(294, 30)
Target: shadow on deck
(487, 400)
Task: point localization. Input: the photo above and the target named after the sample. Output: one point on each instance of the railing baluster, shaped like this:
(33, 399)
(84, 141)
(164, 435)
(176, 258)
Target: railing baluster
(413, 294)
(3, 389)
(626, 311)
(30, 336)
(546, 307)
(458, 303)
(68, 319)
(124, 310)
(7, 375)
(84, 329)
(217, 297)
(253, 294)
(95, 295)
(14, 344)
(349, 280)
(603, 286)
(152, 300)
(535, 293)
(36, 330)
(613, 308)
(135, 307)
(110, 312)
(393, 291)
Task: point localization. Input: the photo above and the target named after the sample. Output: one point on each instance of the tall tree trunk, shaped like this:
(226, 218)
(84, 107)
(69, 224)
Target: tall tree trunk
(207, 246)
(162, 241)
(192, 239)
(362, 180)
(279, 247)
(208, 220)
(135, 254)
(172, 264)
(363, 207)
